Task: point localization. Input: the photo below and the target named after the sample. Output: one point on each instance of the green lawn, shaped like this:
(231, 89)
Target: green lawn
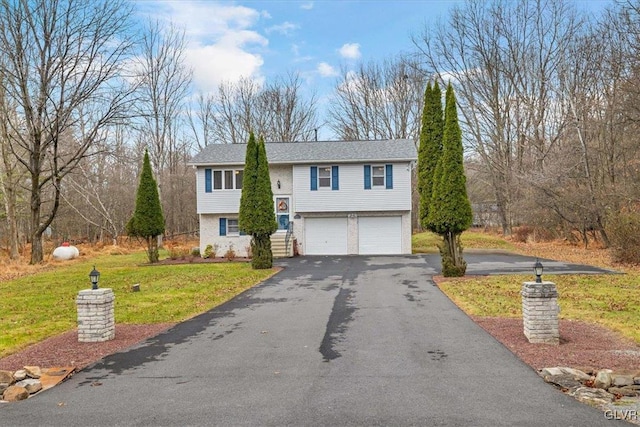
(42, 305)
(427, 242)
(612, 301)
(609, 300)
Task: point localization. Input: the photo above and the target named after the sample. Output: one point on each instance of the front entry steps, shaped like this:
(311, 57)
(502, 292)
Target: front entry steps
(279, 246)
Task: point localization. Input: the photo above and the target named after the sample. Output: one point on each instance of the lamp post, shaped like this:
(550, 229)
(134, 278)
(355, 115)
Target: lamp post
(96, 320)
(94, 276)
(537, 269)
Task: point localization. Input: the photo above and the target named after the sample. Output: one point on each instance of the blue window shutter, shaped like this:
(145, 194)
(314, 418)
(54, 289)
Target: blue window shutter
(389, 177)
(223, 226)
(207, 180)
(314, 178)
(367, 177)
(334, 178)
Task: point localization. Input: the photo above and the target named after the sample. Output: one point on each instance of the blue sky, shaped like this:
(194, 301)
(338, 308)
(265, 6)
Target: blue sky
(315, 38)
(263, 39)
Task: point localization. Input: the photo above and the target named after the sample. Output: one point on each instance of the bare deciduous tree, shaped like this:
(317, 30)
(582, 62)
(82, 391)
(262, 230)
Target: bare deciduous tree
(11, 174)
(163, 84)
(62, 62)
(100, 191)
(278, 111)
(505, 60)
(201, 120)
(378, 101)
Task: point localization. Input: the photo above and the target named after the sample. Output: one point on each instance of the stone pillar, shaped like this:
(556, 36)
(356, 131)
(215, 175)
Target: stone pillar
(96, 315)
(540, 312)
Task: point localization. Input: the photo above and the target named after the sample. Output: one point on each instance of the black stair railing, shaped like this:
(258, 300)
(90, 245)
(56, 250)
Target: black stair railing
(287, 238)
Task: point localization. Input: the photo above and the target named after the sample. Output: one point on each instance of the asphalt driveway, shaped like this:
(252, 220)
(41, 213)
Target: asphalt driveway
(328, 341)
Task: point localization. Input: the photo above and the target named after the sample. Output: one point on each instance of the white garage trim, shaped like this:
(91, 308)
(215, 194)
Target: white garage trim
(379, 235)
(325, 236)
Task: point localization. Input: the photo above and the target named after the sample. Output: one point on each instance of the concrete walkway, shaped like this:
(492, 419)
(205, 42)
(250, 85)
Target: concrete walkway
(329, 341)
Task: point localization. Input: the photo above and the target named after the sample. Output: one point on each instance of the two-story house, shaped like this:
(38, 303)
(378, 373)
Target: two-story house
(333, 198)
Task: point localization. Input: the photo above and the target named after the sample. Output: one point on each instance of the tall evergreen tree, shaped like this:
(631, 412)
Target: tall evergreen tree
(257, 216)
(247, 197)
(430, 148)
(450, 211)
(147, 221)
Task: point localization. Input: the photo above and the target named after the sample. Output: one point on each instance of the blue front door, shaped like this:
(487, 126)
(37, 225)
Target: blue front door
(283, 212)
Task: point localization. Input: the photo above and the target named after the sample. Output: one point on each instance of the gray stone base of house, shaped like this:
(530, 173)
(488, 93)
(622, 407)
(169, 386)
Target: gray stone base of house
(540, 312)
(96, 321)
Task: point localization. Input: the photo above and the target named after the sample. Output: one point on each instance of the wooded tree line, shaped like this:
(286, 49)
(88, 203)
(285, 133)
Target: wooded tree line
(548, 101)
(547, 98)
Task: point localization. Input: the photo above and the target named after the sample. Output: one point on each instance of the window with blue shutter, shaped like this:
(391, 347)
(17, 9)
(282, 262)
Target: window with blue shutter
(223, 226)
(389, 176)
(314, 178)
(232, 227)
(207, 180)
(334, 178)
(367, 177)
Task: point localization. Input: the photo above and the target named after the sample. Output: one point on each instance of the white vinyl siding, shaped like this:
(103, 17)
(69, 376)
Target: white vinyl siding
(352, 196)
(217, 201)
(325, 236)
(380, 235)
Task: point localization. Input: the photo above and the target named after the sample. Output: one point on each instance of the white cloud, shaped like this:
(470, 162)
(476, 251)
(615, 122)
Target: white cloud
(214, 64)
(350, 51)
(286, 28)
(222, 44)
(326, 70)
(307, 6)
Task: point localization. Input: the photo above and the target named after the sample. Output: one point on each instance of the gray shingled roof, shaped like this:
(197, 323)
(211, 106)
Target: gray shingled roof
(315, 152)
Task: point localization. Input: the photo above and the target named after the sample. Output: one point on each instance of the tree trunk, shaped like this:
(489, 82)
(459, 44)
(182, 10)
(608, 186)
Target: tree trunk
(453, 264)
(12, 223)
(262, 256)
(152, 249)
(10, 200)
(36, 230)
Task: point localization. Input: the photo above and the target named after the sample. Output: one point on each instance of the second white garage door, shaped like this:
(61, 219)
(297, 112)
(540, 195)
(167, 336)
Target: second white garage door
(380, 235)
(325, 236)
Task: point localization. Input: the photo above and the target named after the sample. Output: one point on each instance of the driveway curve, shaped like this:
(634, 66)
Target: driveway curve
(329, 341)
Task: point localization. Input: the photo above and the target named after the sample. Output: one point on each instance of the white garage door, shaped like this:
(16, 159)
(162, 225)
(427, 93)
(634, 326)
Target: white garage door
(325, 236)
(379, 235)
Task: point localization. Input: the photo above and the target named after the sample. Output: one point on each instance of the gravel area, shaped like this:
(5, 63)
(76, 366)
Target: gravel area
(65, 350)
(584, 346)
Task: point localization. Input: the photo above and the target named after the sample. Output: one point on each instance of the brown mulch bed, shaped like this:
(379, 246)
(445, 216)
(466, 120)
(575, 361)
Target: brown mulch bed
(65, 350)
(583, 345)
(197, 260)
